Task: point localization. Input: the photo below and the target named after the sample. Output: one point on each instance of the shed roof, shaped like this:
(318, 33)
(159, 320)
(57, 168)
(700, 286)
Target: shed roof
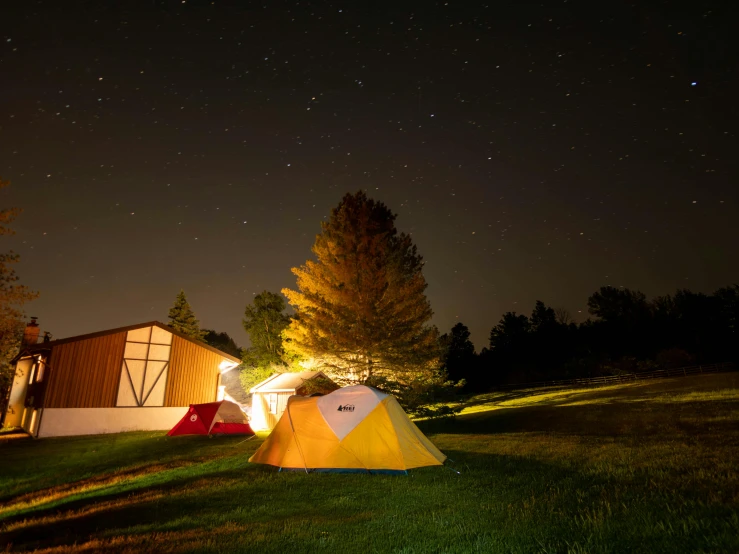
(286, 382)
(40, 347)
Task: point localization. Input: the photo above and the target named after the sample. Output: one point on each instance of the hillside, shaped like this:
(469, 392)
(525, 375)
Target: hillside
(646, 467)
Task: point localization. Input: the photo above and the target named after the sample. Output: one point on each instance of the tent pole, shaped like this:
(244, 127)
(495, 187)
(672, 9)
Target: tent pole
(290, 418)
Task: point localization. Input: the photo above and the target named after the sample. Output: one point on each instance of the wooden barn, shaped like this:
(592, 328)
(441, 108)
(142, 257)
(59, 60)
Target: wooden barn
(269, 398)
(142, 377)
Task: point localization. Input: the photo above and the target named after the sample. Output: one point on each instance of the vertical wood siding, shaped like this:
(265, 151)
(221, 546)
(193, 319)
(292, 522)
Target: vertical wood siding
(282, 403)
(85, 373)
(193, 374)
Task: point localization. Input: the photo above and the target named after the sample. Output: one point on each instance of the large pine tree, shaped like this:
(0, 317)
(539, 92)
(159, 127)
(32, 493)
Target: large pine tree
(182, 318)
(361, 307)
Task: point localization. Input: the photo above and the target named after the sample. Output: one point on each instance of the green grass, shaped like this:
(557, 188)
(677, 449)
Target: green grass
(647, 467)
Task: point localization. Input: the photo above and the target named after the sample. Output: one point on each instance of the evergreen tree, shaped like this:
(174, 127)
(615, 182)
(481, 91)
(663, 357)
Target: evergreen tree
(624, 306)
(510, 348)
(460, 360)
(511, 332)
(361, 307)
(182, 318)
(543, 319)
(12, 297)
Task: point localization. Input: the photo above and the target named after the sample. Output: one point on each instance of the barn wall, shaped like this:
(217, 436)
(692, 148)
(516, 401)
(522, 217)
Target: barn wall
(193, 374)
(93, 421)
(85, 373)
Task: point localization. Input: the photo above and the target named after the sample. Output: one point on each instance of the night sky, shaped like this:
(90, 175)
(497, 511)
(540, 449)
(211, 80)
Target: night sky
(533, 151)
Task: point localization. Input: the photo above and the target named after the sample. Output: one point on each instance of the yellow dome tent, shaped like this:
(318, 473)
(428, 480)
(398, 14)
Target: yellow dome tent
(354, 429)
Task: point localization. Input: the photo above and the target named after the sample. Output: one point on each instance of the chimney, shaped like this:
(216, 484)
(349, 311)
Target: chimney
(30, 335)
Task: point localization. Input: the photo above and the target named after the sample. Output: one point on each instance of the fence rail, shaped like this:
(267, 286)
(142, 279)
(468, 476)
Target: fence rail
(659, 374)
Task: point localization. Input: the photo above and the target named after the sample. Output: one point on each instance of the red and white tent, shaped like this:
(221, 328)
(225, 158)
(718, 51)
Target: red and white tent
(213, 418)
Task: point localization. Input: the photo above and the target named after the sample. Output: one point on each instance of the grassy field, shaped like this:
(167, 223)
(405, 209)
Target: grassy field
(647, 467)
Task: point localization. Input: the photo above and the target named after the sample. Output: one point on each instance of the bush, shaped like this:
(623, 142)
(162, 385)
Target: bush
(674, 357)
(424, 396)
(250, 376)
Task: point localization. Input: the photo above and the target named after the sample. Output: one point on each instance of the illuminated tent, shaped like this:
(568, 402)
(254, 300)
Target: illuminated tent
(354, 429)
(213, 418)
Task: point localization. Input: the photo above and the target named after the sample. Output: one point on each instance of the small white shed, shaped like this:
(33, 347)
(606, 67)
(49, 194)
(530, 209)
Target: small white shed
(269, 398)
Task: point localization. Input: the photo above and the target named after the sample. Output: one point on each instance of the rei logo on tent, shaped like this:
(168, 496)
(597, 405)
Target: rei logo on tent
(346, 408)
(194, 417)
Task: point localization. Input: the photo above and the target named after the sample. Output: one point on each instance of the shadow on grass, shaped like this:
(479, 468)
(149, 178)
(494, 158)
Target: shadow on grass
(506, 503)
(43, 527)
(95, 459)
(256, 501)
(101, 480)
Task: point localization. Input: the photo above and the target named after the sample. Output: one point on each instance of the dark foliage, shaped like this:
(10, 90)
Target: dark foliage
(628, 334)
(221, 341)
(459, 353)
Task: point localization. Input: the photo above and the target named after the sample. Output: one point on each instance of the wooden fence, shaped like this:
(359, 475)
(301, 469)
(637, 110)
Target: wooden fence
(610, 379)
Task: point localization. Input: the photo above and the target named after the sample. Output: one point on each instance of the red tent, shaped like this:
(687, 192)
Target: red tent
(222, 417)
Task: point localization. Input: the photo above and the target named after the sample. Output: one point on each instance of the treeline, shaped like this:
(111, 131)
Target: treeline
(628, 334)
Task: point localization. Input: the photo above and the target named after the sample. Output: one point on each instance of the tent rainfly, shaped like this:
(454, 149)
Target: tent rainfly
(354, 429)
(213, 418)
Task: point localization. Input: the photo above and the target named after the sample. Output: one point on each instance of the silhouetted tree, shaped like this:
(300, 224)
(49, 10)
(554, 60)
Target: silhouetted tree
(549, 342)
(629, 334)
(510, 332)
(182, 318)
(728, 305)
(543, 318)
(222, 341)
(460, 360)
(509, 356)
(728, 298)
(619, 305)
(698, 323)
(625, 326)
(564, 317)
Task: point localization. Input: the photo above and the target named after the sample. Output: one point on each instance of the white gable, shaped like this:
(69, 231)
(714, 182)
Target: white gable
(345, 408)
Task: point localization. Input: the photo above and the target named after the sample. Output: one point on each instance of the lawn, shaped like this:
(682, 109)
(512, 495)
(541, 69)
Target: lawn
(645, 467)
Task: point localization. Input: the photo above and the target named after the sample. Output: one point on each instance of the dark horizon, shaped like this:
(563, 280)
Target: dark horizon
(534, 152)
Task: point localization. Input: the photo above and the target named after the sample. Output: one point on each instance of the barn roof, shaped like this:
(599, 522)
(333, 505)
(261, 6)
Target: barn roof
(40, 347)
(286, 382)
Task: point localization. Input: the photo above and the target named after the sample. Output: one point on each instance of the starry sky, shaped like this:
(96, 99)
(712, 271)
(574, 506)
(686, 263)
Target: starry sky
(532, 150)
